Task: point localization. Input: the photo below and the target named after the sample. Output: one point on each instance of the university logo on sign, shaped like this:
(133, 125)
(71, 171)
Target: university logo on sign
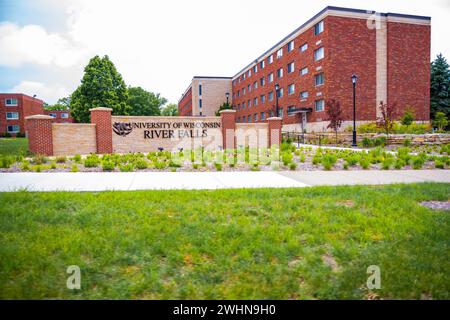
(122, 128)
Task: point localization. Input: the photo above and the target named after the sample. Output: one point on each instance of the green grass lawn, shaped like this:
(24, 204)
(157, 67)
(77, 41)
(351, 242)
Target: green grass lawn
(13, 146)
(313, 243)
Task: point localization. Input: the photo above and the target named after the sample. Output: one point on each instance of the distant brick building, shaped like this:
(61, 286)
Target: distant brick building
(204, 96)
(59, 116)
(14, 107)
(389, 52)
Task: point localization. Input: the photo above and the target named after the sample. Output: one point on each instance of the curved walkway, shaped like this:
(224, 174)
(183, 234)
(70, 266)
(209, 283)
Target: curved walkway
(102, 181)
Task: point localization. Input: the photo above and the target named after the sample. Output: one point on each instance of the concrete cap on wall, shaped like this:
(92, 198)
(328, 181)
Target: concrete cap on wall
(227, 111)
(39, 117)
(100, 109)
(274, 118)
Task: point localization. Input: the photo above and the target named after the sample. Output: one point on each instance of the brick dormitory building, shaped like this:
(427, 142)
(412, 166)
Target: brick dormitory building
(389, 53)
(15, 107)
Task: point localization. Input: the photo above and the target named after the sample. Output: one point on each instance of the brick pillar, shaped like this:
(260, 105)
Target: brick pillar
(274, 127)
(228, 128)
(39, 132)
(103, 128)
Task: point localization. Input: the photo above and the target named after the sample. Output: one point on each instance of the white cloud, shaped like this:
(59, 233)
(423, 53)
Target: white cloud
(33, 44)
(42, 91)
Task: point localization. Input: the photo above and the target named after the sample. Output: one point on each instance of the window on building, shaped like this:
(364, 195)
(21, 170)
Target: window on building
(271, 96)
(262, 81)
(290, 110)
(201, 114)
(199, 89)
(255, 117)
(53, 115)
(243, 105)
(200, 103)
(11, 102)
(12, 115)
(319, 105)
(280, 93)
(249, 73)
(304, 71)
(262, 64)
(280, 73)
(255, 69)
(249, 103)
(13, 128)
(319, 54)
(270, 59)
(255, 85)
(290, 46)
(318, 28)
(304, 94)
(64, 115)
(291, 67)
(270, 78)
(291, 89)
(239, 93)
(249, 119)
(263, 98)
(263, 116)
(255, 101)
(239, 106)
(304, 47)
(280, 112)
(243, 90)
(279, 53)
(238, 119)
(249, 87)
(319, 79)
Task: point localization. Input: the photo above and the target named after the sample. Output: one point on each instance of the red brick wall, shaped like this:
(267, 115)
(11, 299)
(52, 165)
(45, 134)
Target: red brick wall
(409, 68)
(185, 104)
(102, 119)
(228, 118)
(40, 140)
(274, 131)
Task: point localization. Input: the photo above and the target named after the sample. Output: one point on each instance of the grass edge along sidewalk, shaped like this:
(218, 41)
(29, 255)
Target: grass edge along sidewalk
(313, 243)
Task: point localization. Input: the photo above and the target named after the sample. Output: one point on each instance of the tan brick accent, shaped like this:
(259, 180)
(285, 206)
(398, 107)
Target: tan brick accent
(74, 138)
(274, 133)
(101, 117)
(253, 135)
(213, 95)
(39, 129)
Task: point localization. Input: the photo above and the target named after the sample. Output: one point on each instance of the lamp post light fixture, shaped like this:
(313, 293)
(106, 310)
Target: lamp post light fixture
(228, 96)
(354, 80)
(277, 89)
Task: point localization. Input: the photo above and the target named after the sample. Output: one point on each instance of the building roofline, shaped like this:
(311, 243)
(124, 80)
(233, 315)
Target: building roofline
(20, 94)
(330, 8)
(208, 77)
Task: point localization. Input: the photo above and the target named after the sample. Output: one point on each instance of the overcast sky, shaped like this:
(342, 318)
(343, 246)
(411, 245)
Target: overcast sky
(160, 45)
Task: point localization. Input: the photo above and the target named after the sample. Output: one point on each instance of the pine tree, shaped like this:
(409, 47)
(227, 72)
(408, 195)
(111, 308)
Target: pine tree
(440, 86)
(101, 86)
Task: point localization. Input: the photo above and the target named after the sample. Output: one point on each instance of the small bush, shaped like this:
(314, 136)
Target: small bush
(399, 164)
(92, 161)
(160, 165)
(39, 159)
(417, 162)
(6, 162)
(126, 167)
(364, 163)
(218, 166)
(173, 164)
(386, 164)
(53, 166)
(141, 164)
(407, 142)
(37, 168)
(366, 142)
(439, 163)
(346, 165)
(74, 168)
(108, 165)
(77, 158)
(286, 158)
(293, 166)
(328, 161)
(25, 166)
(61, 159)
(302, 158)
(352, 159)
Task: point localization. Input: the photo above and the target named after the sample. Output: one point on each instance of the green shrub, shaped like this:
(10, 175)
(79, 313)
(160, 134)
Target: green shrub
(302, 158)
(387, 163)
(39, 159)
(53, 166)
(25, 166)
(108, 165)
(317, 159)
(364, 162)
(61, 159)
(439, 163)
(74, 168)
(407, 142)
(218, 166)
(399, 164)
(160, 165)
(346, 164)
(77, 158)
(92, 161)
(286, 158)
(195, 166)
(328, 161)
(366, 142)
(293, 166)
(352, 159)
(6, 162)
(126, 167)
(37, 168)
(173, 164)
(141, 164)
(417, 162)
(379, 142)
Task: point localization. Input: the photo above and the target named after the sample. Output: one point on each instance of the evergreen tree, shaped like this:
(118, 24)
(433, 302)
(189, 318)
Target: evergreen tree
(144, 103)
(440, 86)
(101, 86)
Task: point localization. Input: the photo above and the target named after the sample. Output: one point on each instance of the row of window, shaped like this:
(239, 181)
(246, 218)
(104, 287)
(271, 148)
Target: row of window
(13, 128)
(318, 54)
(63, 115)
(280, 74)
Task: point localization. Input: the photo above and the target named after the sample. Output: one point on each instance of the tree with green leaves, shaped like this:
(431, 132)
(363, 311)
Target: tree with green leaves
(440, 86)
(102, 86)
(224, 106)
(61, 104)
(144, 103)
(440, 121)
(170, 110)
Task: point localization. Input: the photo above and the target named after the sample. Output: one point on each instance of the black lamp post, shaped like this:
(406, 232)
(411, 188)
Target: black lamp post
(277, 89)
(354, 80)
(228, 96)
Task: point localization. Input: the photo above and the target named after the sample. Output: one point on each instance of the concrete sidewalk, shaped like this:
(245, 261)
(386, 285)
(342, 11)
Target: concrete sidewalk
(102, 181)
